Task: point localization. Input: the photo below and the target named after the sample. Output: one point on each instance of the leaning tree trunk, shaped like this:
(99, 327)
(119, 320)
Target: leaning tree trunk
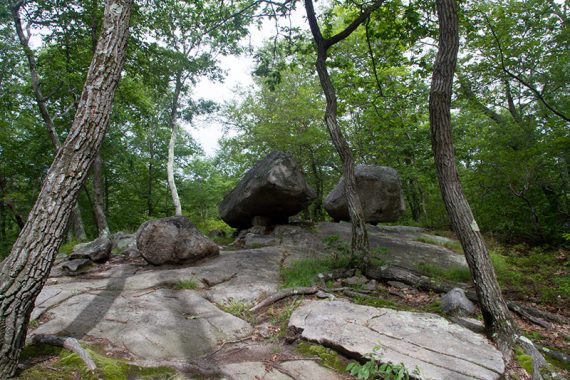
(24, 272)
(77, 221)
(498, 322)
(172, 144)
(359, 244)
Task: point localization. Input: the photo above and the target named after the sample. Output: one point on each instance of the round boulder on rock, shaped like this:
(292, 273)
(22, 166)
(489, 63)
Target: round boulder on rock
(380, 192)
(456, 303)
(173, 240)
(269, 193)
(98, 250)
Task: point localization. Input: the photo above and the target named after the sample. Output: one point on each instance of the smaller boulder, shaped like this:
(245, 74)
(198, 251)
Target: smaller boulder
(76, 265)
(456, 303)
(173, 240)
(98, 250)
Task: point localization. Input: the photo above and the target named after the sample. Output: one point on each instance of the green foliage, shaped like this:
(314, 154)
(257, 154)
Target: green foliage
(373, 370)
(188, 284)
(280, 315)
(377, 302)
(303, 272)
(540, 273)
(329, 358)
(67, 247)
(524, 360)
(239, 308)
(70, 366)
(454, 274)
(452, 245)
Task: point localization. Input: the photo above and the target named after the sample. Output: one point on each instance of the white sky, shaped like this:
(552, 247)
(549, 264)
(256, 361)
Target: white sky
(205, 129)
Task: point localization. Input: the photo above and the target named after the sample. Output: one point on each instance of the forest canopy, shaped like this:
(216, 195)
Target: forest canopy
(510, 110)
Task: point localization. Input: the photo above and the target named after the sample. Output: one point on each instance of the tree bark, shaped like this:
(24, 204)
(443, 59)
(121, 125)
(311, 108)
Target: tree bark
(98, 170)
(359, 243)
(24, 272)
(172, 144)
(78, 227)
(499, 324)
(99, 187)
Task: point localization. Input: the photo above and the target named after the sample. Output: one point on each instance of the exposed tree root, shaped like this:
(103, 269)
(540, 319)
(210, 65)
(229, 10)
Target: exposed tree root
(538, 361)
(407, 276)
(284, 294)
(71, 344)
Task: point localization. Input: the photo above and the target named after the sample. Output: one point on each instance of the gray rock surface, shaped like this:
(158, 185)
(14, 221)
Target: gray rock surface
(380, 192)
(456, 303)
(98, 250)
(135, 307)
(440, 349)
(293, 369)
(159, 324)
(173, 240)
(274, 189)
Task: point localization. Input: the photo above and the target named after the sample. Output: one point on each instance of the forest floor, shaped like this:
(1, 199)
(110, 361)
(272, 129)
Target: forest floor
(197, 320)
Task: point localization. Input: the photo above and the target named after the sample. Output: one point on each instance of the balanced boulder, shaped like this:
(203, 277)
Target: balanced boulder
(380, 192)
(271, 191)
(173, 240)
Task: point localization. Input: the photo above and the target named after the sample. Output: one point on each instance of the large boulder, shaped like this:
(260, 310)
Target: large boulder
(380, 192)
(173, 240)
(271, 191)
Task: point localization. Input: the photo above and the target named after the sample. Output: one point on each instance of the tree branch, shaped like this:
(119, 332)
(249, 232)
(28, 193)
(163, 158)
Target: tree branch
(354, 24)
(537, 94)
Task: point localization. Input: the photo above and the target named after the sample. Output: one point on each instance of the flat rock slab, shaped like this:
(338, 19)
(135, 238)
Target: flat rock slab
(161, 324)
(136, 307)
(289, 370)
(440, 349)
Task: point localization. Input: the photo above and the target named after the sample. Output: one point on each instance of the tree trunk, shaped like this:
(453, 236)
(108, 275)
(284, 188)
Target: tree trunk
(98, 186)
(498, 322)
(171, 145)
(98, 177)
(24, 272)
(359, 243)
(77, 221)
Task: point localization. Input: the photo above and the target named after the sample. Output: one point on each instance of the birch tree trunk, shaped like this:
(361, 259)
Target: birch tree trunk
(172, 144)
(498, 321)
(77, 221)
(24, 272)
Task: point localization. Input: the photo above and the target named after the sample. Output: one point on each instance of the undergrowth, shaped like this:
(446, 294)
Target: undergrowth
(55, 363)
(303, 272)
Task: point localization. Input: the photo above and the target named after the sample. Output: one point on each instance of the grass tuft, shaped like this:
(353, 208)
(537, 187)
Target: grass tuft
(454, 246)
(329, 358)
(453, 274)
(186, 284)
(303, 272)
